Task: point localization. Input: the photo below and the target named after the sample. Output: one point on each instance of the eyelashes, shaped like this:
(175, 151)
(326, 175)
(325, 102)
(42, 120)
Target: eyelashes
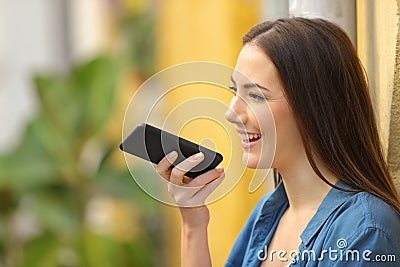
(232, 88)
(257, 97)
(253, 96)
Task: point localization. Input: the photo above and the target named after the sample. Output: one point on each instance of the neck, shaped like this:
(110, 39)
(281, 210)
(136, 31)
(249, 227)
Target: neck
(304, 189)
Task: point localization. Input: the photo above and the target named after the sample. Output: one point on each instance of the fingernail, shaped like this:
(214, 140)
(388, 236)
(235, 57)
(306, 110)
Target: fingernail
(199, 155)
(171, 155)
(219, 169)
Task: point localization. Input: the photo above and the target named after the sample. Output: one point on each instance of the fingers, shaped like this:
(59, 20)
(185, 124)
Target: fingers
(163, 167)
(185, 191)
(179, 171)
(207, 177)
(177, 175)
(209, 188)
(187, 180)
(193, 196)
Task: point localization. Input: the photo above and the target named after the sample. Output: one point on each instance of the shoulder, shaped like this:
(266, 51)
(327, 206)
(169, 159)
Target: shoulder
(379, 213)
(366, 210)
(362, 229)
(364, 215)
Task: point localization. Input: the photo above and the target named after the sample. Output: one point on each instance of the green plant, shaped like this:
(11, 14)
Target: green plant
(64, 165)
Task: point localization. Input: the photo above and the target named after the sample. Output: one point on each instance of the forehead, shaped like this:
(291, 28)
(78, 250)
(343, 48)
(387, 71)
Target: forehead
(254, 65)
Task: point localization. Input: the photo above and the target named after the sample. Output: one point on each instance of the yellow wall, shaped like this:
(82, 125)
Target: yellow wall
(376, 39)
(378, 47)
(207, 30)
(394, 136)
(394, 126)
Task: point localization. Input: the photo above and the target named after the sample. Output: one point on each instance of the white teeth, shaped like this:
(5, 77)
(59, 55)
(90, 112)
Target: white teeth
(248, 137)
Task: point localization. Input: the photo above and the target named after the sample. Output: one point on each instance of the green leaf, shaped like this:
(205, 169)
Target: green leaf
(28, 166)
(97, 80)
(41, 252)
(56, 209)
(79, 104)
(62, 104)
(100, 250)
(63, 154)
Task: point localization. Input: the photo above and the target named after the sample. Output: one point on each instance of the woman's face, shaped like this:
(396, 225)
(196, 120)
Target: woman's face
(260, 112)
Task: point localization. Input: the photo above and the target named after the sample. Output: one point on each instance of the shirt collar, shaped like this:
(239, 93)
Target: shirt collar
(278, 201)
(331, 202)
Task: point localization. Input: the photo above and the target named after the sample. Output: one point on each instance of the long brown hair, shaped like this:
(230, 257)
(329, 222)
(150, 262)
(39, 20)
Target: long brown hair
(327, 90)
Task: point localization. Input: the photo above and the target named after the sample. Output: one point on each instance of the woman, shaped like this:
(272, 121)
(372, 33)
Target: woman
(335, 203)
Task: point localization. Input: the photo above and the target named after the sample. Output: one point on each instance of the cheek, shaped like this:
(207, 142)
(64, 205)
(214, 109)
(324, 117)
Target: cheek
(287, 133)
(281, 116)
(263, 117)
(263, 154)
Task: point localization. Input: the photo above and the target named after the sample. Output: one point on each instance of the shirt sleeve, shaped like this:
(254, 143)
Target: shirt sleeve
(368, 247)
(238, 251)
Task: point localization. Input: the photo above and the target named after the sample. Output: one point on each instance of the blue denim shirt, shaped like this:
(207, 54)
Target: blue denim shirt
(348, 229)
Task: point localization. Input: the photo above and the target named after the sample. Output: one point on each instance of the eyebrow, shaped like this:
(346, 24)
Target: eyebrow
(251, 85)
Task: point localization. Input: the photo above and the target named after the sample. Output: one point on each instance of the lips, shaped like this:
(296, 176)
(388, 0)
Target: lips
(250, 137)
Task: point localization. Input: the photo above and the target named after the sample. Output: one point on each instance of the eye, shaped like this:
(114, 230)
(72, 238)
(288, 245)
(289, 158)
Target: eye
(257, 97)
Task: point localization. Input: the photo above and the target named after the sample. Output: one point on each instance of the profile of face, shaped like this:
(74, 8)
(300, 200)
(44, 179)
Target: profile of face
(261, 113)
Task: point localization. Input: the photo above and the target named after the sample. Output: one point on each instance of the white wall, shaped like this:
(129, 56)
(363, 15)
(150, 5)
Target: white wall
(342, 12)
(40, 36)
(31, 38)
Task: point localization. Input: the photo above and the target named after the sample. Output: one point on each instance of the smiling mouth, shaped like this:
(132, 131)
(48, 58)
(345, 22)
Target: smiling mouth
(250, 138)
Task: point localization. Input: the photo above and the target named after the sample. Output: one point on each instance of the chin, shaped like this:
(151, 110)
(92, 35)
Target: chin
(254, 162)
(251, 161)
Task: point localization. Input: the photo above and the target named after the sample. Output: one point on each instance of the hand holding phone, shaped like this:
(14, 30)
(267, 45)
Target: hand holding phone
(152, 144)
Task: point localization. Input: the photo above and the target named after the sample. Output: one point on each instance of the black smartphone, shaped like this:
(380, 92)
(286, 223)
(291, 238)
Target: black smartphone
(152, 144)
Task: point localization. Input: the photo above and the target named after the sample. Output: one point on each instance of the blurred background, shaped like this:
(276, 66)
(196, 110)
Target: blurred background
(68, 69)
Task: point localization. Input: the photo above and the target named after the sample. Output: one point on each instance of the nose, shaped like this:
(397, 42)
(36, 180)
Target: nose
(237, 111)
